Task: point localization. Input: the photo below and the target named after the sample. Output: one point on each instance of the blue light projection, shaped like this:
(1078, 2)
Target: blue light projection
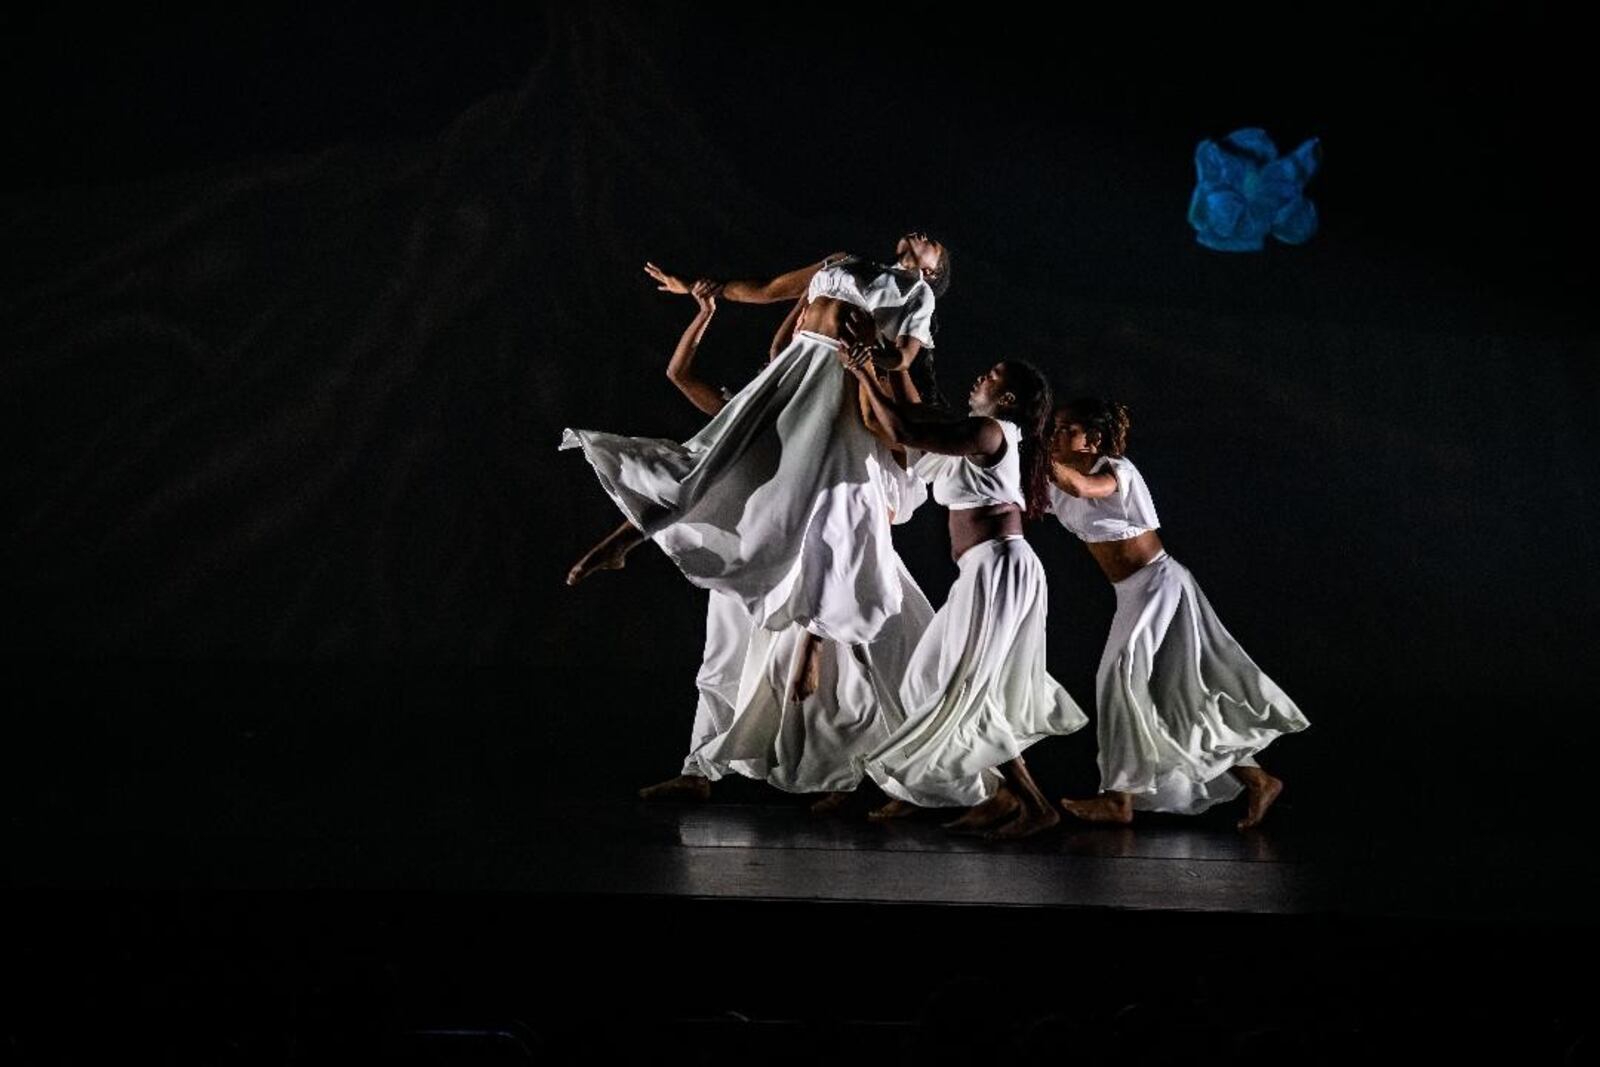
(1244, 190)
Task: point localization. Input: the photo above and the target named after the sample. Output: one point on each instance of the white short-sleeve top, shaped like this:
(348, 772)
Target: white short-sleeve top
(958, 483)
(900, 302)
(1126, 513)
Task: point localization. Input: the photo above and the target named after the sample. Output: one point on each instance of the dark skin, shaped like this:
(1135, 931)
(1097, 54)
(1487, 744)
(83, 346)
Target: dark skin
(1074, 450)
(1018, 808)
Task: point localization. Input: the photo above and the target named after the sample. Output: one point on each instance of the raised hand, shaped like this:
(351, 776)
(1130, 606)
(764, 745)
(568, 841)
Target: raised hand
(705, 293)
(858, 340)
(855, 360)
(667, 283)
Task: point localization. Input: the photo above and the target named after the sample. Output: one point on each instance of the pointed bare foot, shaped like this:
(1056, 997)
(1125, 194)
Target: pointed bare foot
(1261, 791)
(1031, 819)
(829, 803)
(606, 556)
(992, 812)
(1107, 808)
(684, 787)
(895, 809)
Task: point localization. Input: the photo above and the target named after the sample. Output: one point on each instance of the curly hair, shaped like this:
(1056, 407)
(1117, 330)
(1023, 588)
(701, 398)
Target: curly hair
(1106, 420)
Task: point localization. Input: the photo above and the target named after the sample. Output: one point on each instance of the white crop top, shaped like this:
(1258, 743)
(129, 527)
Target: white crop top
(900, 302)
(959, 483)
(1126, 513)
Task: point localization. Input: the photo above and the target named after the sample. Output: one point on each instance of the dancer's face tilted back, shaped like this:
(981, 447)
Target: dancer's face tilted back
(919, 252)
(990, 394)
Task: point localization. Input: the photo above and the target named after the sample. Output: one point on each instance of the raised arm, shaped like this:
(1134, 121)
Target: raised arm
(680, 368)
(900, 356)
(898, 424)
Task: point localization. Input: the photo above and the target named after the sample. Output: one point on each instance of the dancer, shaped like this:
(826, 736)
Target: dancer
(759, 729)
(813, 734)
(727, 622)
(1182, 709)
(976, 693)
(778, 499)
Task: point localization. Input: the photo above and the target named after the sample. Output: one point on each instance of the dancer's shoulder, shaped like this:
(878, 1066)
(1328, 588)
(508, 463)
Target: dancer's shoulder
(1119, 467)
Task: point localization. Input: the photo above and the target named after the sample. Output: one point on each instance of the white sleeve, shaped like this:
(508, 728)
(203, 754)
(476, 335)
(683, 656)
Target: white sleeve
(913, 494)
(916, 318)
(1118, 470)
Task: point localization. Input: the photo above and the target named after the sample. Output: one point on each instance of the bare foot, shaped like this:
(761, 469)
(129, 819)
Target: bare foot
(992, 812)
(829, 803)
(1261, 790)
(1031, 819)
(1107, 807)
(683, 787)
(608, 555)
(895, 809)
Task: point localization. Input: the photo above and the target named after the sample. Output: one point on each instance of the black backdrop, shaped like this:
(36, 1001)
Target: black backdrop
(296, 305)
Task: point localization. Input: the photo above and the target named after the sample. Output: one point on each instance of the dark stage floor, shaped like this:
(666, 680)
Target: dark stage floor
(606, 931)
(603, 931)
(322, 870)
(777, 851)
(784, 853)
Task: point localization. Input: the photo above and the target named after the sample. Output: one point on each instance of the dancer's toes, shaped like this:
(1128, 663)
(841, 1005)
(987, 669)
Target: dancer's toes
(1261, 792)
(1116, 808)
(894, 809)
(689, 787)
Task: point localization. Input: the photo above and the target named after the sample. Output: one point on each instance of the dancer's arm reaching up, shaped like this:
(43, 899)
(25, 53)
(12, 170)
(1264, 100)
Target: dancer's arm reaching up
(611, 552)
(680, 368)
(786, 286)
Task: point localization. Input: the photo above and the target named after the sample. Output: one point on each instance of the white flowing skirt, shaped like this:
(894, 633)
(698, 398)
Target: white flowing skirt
(976, 692)
(728, 627)
(777, 501)
(821, 743)
(1179, 701)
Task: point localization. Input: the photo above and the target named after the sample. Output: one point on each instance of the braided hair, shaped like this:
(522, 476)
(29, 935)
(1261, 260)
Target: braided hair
(1031, 411)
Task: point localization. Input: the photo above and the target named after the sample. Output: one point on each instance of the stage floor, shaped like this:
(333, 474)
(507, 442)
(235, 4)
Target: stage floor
(777, 850)
(614, 931)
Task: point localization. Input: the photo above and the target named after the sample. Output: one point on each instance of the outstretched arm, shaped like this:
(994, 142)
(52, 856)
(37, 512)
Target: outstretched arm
(898, 425)
(787, 286)
(680, 368)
